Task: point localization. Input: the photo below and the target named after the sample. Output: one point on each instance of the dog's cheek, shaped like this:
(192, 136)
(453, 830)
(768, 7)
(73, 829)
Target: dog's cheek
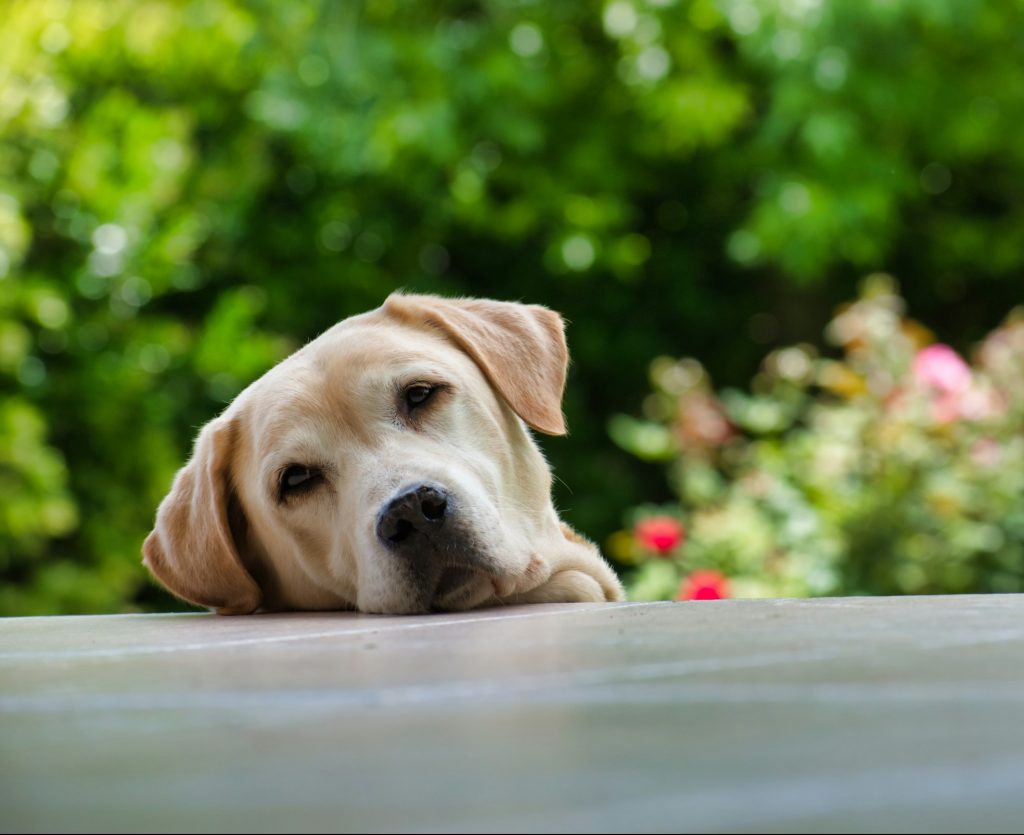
(536, 573)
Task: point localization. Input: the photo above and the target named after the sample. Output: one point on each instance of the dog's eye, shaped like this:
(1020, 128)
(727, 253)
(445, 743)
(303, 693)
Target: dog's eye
(298, 479)
(417, 395)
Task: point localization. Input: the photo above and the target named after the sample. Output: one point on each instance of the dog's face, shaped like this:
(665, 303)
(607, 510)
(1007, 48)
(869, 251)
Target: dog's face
(386, 467)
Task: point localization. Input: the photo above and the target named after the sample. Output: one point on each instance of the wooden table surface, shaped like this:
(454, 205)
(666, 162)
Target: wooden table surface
(884, 714)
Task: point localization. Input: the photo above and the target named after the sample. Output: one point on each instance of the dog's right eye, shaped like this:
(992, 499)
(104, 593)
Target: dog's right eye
(298, 479)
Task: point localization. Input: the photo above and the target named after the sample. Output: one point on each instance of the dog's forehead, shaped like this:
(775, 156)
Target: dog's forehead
(364, 345)
(330, 381)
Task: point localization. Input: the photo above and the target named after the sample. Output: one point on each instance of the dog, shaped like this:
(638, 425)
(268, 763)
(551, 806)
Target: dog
(385, 467)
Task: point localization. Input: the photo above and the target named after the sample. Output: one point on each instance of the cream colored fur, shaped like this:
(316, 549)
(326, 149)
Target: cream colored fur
(224, 538)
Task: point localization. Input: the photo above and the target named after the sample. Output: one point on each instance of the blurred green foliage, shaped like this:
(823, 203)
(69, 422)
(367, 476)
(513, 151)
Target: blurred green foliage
(189, 190)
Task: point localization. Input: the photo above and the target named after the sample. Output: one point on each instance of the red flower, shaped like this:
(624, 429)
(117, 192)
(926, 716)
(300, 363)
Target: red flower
(704, 585)
(660, 533)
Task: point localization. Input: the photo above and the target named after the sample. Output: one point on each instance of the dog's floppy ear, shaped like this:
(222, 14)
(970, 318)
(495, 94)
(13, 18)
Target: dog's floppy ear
(191, 550)
(520, 348)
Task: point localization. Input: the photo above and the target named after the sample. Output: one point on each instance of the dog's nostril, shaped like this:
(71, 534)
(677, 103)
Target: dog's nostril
(401, 531)
(434, 508)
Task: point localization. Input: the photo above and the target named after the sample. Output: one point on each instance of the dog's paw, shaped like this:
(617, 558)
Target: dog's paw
(565, 587)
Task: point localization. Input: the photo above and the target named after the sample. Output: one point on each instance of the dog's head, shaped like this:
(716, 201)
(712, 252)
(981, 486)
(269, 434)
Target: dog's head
(385, 467)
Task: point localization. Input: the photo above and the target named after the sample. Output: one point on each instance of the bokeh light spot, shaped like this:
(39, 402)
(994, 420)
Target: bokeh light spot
(578, 252)
(935, 178)
(619, 18)
(743, 246)
(526, 40)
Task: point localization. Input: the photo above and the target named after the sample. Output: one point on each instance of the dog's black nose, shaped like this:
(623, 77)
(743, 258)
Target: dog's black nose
(415, 512)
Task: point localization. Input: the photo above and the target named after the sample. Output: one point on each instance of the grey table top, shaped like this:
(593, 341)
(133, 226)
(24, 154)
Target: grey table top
(829, 715)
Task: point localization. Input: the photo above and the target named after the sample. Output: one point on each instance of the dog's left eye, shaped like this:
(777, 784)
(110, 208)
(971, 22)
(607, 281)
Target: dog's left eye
(416, 396)
(298, 479)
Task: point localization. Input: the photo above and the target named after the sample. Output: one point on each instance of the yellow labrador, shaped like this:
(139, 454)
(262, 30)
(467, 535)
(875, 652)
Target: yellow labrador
(385, 467)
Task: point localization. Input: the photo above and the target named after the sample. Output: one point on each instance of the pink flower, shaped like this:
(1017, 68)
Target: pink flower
(980, 403)
(660, 533)
(704, 585)
(940, 367)
(702, 422)
(953, 391)
(946, 407)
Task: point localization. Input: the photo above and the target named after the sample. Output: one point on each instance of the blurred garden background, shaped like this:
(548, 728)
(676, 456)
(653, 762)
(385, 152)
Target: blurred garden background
(788, 236)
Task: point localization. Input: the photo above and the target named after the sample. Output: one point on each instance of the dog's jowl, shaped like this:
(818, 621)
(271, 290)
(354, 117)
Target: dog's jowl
(387, 466)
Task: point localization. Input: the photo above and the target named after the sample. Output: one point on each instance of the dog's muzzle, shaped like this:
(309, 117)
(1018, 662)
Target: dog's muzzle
(444, 561)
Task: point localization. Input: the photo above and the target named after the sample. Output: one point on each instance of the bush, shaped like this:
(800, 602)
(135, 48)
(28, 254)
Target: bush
(894, 468)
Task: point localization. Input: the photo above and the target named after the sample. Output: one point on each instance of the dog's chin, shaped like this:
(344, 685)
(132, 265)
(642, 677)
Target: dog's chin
(452, 590)
(461, 588)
